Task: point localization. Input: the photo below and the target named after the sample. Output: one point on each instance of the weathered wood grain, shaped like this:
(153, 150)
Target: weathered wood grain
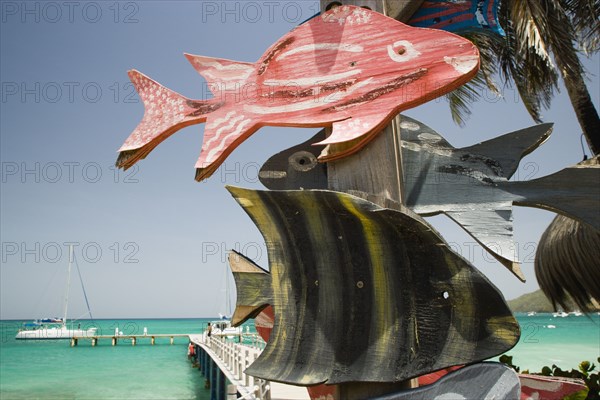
(366, 294)
(439, 178)
(459, 16)
(350, 68)
(470, 184)
(532, 386)
(573, 192)
(548, 387)
(483, 381)
(400, 10)
(263, 323)
(253, 287)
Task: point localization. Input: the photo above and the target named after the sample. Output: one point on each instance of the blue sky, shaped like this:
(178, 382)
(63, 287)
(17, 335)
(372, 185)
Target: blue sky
(151, 242)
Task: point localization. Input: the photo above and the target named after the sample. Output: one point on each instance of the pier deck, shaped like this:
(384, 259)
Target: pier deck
(133, 339)
(232, 359)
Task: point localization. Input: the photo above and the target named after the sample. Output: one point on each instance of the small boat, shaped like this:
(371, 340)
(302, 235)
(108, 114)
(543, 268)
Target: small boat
(223, 327)
(53, 332)
(531, 314)
(51, 321)
(561, 314)
(56, 328)
(576, 313)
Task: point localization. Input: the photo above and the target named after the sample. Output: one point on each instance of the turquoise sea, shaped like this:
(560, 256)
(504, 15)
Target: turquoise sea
(53, 370)
(547, 340)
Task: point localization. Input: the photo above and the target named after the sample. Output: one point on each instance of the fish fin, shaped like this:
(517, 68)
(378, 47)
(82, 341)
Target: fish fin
(221, 73)
(350, 135)
(264, 323)
(505, 152)
(223, 132)
(354, 128)
(253, 286)
(572, 192)
(414, 131)
(165, 112)
(493, 230)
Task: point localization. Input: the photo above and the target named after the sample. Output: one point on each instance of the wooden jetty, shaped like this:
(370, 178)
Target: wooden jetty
(133, 339)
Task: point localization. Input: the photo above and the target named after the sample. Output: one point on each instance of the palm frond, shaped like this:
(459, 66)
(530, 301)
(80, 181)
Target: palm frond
(460, 99)
(561, 38)
(585, 16)
(534, 77)
(530, 27)
(541, 43)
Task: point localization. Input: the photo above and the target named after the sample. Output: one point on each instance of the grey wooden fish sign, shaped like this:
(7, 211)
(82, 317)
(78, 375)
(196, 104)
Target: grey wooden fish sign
(470, 185)
(483, 381)
(362, 293)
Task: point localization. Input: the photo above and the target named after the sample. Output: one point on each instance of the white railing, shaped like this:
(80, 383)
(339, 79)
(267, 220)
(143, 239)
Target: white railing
(234, 359)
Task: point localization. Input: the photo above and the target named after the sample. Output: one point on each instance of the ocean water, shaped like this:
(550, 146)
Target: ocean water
(51, 369)
(54, 370)
(547, 340)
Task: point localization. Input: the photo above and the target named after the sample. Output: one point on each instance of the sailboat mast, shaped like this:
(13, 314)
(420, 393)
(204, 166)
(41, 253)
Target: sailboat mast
(68, 284)
(227, 294)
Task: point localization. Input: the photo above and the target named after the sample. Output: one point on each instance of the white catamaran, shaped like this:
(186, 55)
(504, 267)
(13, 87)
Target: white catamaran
(57, 328)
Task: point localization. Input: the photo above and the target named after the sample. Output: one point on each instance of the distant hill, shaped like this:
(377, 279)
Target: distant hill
(534, 301)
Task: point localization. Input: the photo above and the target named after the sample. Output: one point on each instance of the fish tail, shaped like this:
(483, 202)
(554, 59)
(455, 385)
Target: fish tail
(572, 192)
(253, 286)
(223, 132)
(165, 112)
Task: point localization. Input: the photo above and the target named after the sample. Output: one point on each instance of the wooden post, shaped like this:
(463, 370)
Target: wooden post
(213, 379)
(133, 341)
(246, 363)
(222, 393)
(171, 339)
(373, 168)
(356, 172)
(114, 340)
(94, 342)
(231, 392)
(152, 340)
(240, 365)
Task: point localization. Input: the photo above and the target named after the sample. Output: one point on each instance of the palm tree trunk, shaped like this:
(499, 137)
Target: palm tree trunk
(587, 115)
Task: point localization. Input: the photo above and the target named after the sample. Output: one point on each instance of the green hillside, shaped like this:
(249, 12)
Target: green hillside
(534, 301)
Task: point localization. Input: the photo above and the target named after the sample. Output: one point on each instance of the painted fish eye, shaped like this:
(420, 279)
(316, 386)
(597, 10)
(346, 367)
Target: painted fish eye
(402, 51)
(353, 63)
(303, 161)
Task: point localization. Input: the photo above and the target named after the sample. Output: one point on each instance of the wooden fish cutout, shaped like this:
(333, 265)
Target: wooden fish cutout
(532, 386)
(459, 16)
(549, 387)
(336, 70)
(470, 185)
(483, 381)
(362, 293)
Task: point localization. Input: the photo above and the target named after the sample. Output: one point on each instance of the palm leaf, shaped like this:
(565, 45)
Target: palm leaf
(585, 16)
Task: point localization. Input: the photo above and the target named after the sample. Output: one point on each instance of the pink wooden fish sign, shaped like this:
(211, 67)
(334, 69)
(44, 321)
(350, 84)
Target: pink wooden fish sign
(350, 68)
